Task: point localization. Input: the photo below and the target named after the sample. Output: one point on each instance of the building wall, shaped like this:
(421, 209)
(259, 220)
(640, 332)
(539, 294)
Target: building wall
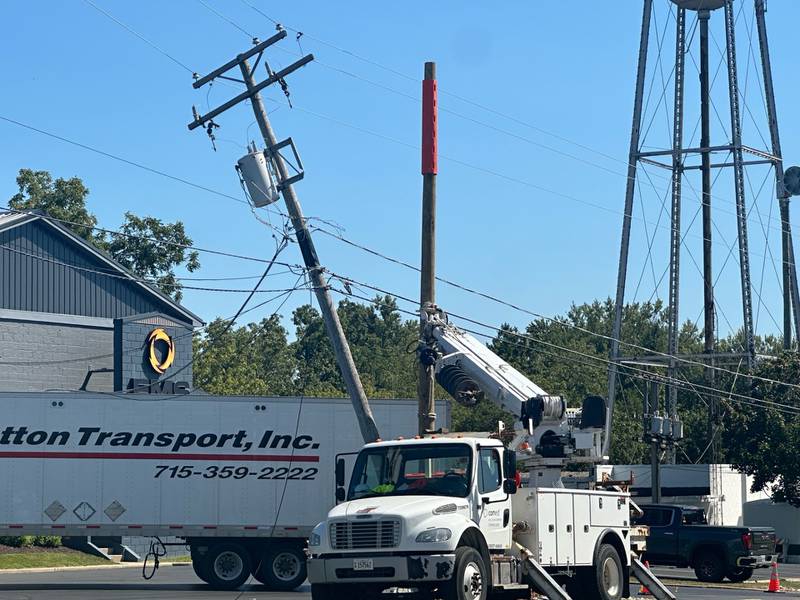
(54, 352)
(43, 270)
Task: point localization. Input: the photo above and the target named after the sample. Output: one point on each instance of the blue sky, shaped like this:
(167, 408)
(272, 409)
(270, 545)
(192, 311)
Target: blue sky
(535, 217)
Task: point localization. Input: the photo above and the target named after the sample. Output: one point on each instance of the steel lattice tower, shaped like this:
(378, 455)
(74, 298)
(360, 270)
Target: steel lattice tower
(677, 160)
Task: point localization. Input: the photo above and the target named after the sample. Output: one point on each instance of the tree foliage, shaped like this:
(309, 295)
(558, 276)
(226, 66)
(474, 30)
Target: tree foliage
(147, 246)
(762, 441)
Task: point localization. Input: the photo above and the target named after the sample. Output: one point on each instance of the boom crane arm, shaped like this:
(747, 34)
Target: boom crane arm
(470, 372)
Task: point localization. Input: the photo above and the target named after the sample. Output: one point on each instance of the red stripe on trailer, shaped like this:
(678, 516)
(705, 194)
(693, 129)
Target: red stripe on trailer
(209, 526)
(15, 526)
(93, 527)
(251, 526)
(163, 456)
(134, 526)
(429, 110)
(176, 526)
(58, 526)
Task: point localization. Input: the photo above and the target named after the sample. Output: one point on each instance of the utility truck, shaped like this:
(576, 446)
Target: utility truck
(241, 480)
(466, 518)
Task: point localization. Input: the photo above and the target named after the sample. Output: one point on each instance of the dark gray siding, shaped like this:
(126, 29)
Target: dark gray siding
(32, 279)
(53, 356)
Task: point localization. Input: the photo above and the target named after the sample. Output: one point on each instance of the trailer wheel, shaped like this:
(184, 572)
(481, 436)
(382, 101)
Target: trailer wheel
(200, 567)
(607, 580)
(283, 567)
(227, 566)
(469, 581)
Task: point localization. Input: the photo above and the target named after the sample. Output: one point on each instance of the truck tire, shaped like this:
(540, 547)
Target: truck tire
(740, 574)
(709, 566)
(200, 567)
(606, 580)
(283, 567)
(470, 581)
(227, 566)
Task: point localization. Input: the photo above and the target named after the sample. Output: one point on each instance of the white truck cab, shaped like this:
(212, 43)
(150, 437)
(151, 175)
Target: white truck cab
(450, 517)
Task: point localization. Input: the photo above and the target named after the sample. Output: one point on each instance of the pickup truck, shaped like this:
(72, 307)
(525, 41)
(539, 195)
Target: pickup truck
(680, 536)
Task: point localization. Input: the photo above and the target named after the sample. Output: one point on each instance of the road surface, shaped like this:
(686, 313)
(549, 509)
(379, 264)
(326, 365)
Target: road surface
(180, 583)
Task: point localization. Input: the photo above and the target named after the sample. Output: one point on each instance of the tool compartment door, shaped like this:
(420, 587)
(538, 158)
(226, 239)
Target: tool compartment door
(565, 530)
(546, 523)
(609, 510)
(584, 536)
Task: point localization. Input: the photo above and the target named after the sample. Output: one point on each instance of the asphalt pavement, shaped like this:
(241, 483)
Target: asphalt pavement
(180, 583)
(785, 570)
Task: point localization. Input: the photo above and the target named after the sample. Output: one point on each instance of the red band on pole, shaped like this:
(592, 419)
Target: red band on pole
(429, 117)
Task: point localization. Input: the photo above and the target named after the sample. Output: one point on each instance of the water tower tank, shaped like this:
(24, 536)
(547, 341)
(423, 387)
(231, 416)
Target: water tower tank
(700, 4)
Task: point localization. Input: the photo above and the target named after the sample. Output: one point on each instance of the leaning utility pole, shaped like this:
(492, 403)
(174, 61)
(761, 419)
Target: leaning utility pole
(427, 292)
(366, 421)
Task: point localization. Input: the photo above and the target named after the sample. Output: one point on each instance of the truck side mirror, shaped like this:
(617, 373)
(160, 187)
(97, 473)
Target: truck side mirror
(340, 493)
(510, 464)
(510, 472)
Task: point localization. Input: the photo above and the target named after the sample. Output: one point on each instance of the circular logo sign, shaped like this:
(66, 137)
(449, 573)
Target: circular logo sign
(160, 350)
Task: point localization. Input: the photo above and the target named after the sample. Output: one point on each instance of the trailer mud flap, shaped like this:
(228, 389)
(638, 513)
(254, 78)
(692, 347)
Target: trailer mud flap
(649, 580)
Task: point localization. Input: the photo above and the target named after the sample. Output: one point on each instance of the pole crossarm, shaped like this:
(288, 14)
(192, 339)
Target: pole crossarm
(249, 93)
(257, 49)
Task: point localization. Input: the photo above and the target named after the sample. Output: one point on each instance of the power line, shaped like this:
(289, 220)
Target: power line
(127, 277)
(605, 360)
(631, 371)
(140, 36)
(453, 284)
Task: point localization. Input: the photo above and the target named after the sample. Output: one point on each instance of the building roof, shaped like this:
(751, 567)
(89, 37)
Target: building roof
(9, 220)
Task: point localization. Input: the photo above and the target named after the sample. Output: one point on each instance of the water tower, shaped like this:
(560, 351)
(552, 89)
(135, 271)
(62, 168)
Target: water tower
(717, 160)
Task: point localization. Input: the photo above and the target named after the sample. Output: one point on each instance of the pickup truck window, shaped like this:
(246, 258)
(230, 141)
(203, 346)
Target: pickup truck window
(693, 517)
(655, 517)
(405, 470)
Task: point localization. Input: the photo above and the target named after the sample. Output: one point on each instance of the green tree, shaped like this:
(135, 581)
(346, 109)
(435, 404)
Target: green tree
(147, 246)
(253, 359)
(762, 441)
(63, 199)
(152, 249)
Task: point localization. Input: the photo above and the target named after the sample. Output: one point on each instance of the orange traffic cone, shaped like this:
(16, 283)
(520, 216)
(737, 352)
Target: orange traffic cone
(774, 581)
(643, 588)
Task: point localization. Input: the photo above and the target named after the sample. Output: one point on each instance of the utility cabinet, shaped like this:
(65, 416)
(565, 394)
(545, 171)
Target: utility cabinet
(563, 527)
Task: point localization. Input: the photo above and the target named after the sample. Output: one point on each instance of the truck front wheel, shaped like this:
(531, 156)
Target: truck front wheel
(283, 567)
(607, 580)
(227, 566)
(709, 566)
(469, 581)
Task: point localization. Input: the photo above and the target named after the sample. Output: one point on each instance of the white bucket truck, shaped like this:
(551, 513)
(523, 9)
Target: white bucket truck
(466, 518)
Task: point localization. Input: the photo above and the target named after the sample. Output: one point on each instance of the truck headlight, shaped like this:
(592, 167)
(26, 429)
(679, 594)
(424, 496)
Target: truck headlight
(315, 539)
(430, 536)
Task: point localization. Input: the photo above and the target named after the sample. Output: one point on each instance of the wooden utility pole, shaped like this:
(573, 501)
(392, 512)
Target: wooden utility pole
(427, 287)
(366, 422)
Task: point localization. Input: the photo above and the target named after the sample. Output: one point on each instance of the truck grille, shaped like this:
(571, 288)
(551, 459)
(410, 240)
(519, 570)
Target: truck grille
(352, 535)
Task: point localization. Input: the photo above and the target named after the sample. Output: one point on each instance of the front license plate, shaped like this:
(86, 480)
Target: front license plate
(362, 564)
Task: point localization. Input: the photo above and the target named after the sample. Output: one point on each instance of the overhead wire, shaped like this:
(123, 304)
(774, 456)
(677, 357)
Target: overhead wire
(627, 369)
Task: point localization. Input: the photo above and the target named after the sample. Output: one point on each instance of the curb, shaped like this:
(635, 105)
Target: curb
(128, 565)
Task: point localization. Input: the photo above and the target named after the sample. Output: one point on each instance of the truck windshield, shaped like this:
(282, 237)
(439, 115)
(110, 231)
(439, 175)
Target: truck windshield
(419, 469)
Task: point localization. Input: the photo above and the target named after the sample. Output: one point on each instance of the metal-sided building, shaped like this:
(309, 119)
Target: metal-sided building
(73, 318)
